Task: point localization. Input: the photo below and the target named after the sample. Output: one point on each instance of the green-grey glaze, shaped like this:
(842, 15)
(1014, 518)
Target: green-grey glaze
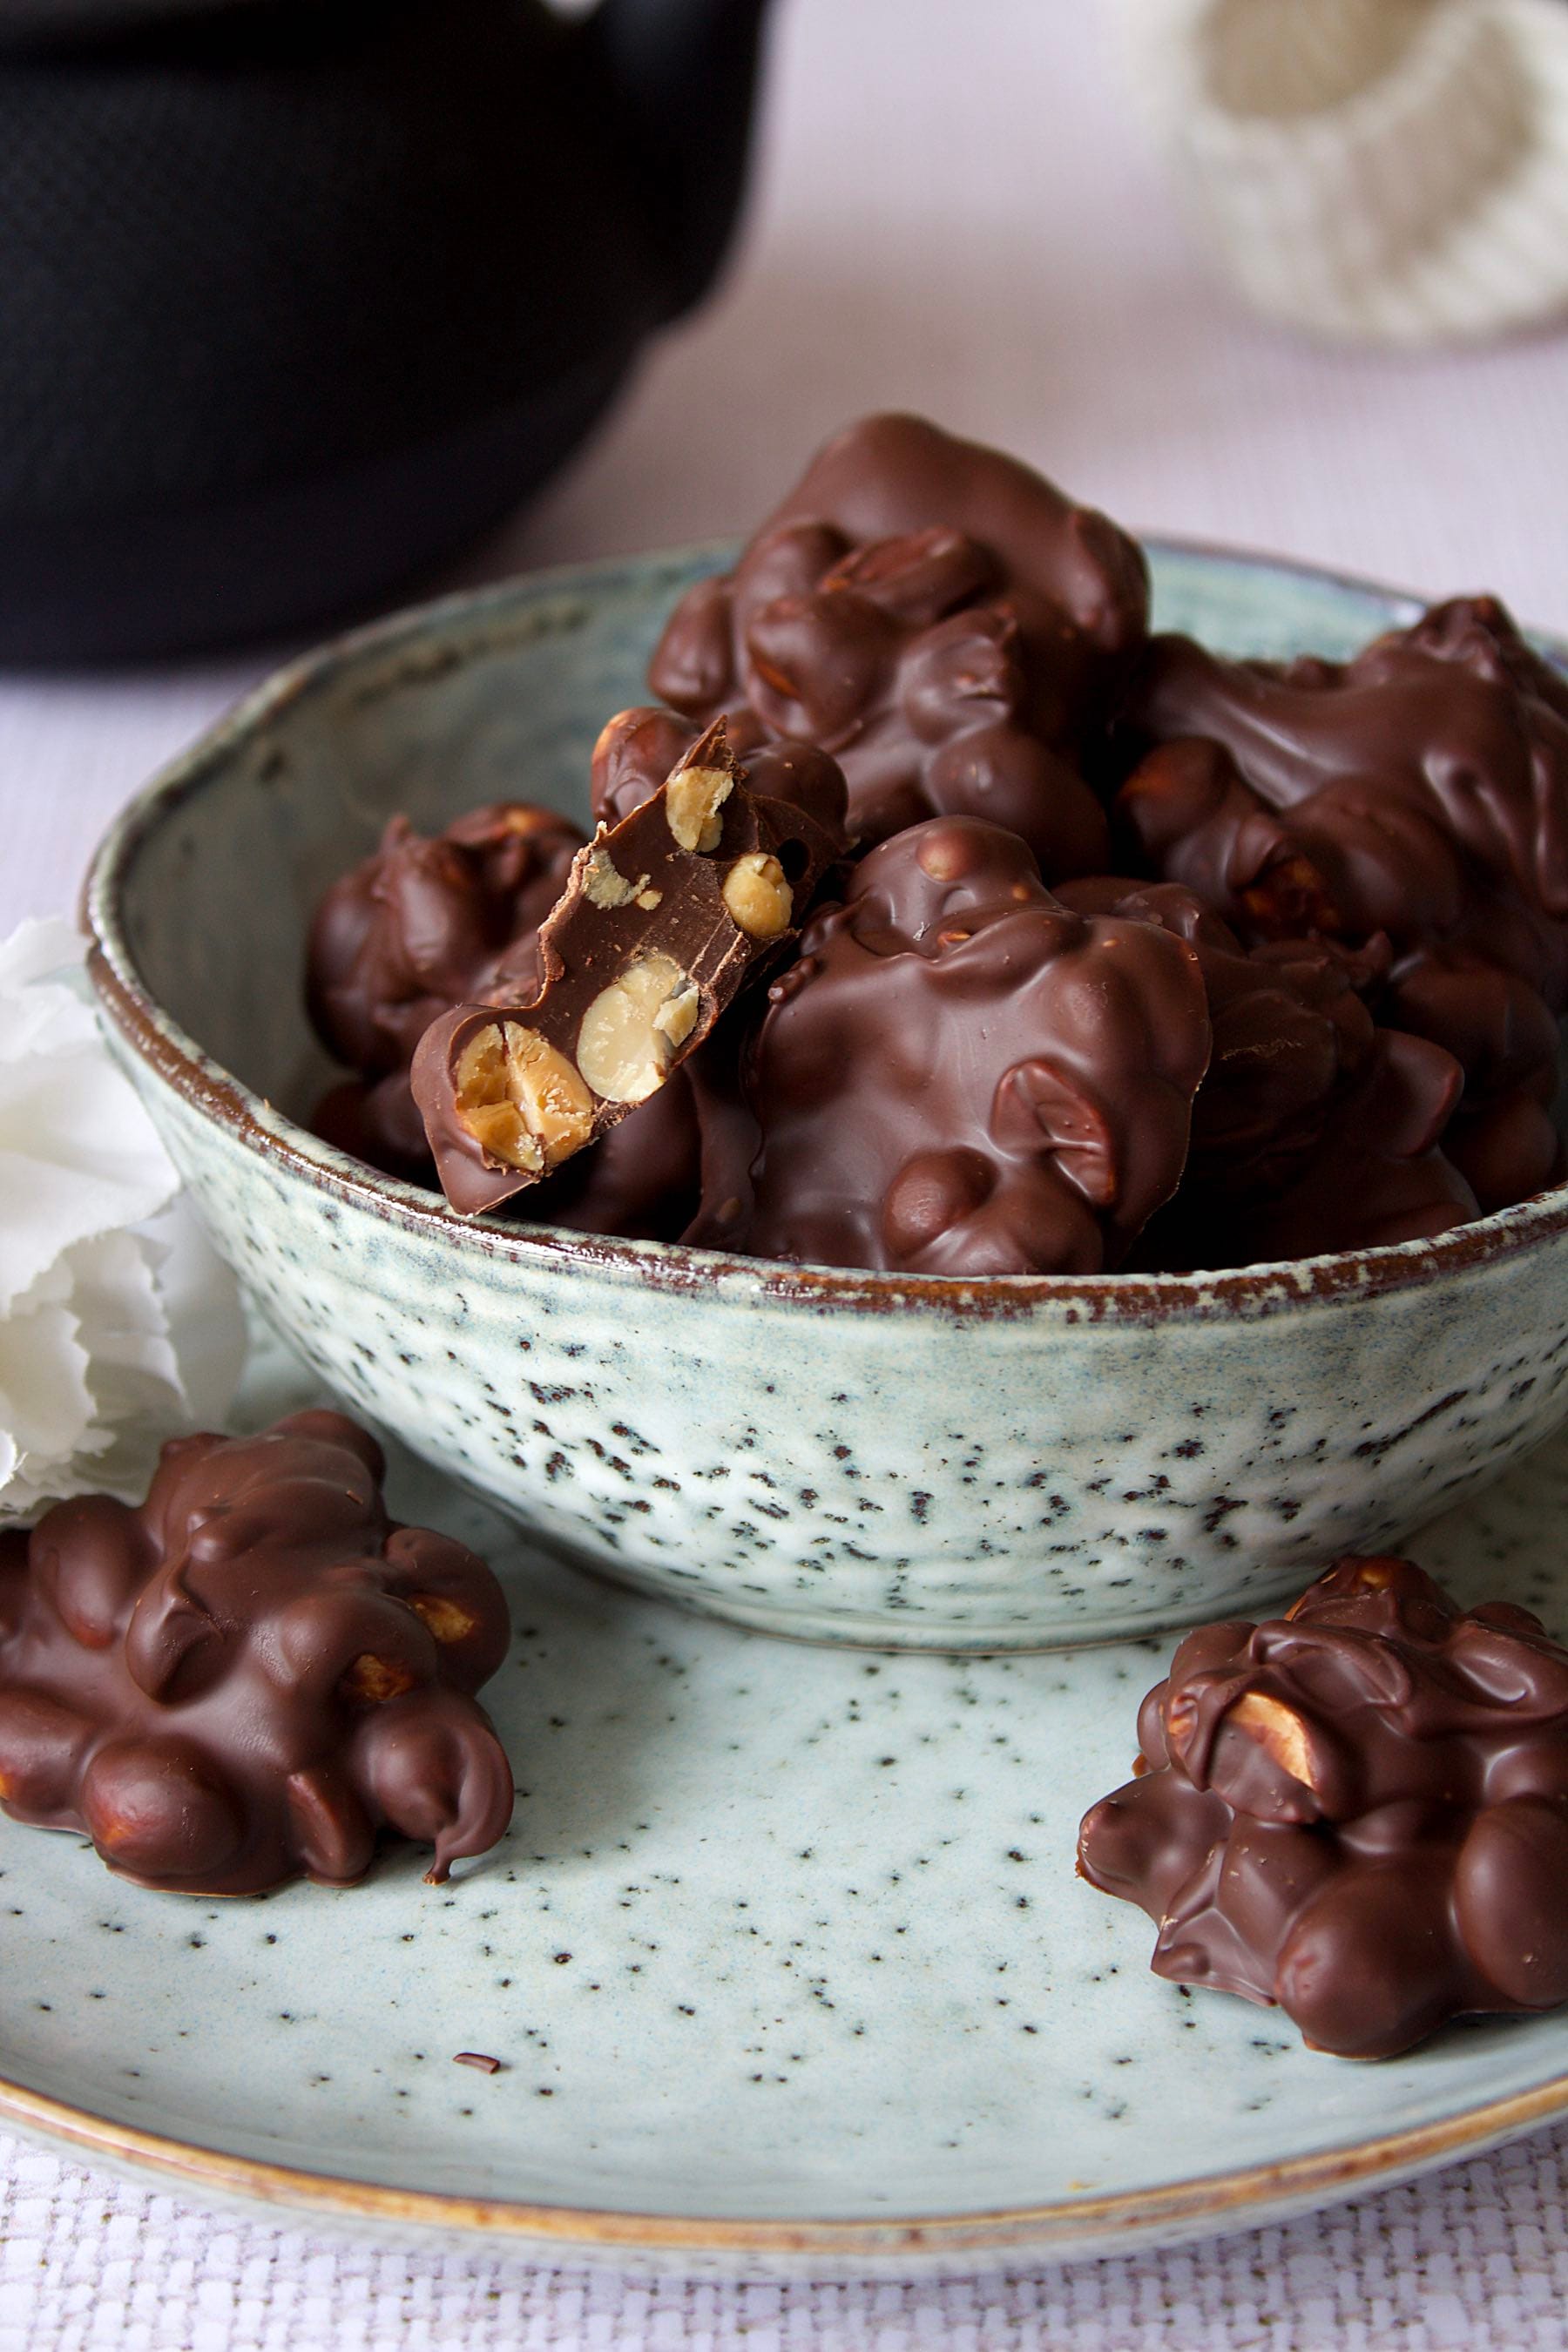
(979, 1468)
(774, 1937)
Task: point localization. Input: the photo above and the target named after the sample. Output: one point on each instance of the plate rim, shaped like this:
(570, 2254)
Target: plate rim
(1085, 2221)
(1067, 2224)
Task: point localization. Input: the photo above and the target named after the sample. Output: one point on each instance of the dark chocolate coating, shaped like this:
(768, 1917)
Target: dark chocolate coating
(642, 1180)
(1503, 1138)
(1419, 782)
(792, 785)
(1313, 1130)
(1419, 791)
(647, 894)
(960, 1076)
(423, 923)
(938, 616)
(420, 925)
(1358, 1810)
(250, 1675)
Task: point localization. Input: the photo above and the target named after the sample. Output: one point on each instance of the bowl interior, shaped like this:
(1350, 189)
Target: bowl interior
(487, 698)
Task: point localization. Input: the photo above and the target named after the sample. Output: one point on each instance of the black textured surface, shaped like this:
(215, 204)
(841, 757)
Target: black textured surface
(243, 253)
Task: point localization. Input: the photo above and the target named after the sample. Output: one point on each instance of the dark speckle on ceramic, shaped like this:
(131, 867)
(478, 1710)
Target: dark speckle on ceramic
(852, 1457)
(775, 1947)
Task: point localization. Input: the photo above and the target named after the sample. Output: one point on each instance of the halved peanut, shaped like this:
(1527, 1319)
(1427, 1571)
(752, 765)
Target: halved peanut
(520, 1100)
(603, 882)
(633, 1027)
(1279, 1730)
(445, 1621)
(692, 800)
(371, 1681)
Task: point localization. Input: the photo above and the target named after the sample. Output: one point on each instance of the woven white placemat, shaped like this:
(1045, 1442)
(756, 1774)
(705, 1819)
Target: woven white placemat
(1476, 2256)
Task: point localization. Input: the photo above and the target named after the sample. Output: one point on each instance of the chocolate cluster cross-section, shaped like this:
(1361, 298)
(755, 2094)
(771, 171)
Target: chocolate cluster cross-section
(941, 618)
(1358, 1810)
(665, 916)
(253, 1673)
(961, 1076)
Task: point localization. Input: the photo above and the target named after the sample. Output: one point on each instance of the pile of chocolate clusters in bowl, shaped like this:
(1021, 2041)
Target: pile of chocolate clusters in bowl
(1122, 954)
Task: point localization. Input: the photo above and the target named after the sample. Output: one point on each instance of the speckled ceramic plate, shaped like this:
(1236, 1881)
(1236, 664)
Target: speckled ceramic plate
(784, 1960)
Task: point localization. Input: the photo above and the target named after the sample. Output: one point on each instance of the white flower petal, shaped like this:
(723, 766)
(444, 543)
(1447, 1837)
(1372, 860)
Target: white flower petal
(118, 1325)
(37, 951)
(46, 1407)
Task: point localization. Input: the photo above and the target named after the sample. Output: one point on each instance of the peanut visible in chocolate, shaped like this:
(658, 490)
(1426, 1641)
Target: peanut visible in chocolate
(254, 1673)
(1358, 1810)
(666, 915)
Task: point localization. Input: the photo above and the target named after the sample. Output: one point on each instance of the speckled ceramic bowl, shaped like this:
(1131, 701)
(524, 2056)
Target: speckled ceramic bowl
(988, 1465)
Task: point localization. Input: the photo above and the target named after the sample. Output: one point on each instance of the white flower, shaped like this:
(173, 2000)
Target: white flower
(119, 1326)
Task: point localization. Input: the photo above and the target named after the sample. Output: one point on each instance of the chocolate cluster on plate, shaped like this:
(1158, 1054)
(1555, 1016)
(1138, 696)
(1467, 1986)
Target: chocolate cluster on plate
(1358, 1810)
(253, 1674)
(1238, 961)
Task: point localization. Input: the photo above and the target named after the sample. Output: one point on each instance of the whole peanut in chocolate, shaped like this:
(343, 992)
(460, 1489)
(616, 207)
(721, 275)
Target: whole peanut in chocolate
(1358, 1810)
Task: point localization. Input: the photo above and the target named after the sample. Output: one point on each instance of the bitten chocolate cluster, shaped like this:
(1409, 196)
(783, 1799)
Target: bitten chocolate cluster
(665, 916)
(1358, 1810)
(422, 924)
(1238, 961)
(252, 1673)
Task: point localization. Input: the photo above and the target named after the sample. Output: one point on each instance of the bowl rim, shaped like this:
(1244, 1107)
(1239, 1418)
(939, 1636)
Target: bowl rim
(179, 1062)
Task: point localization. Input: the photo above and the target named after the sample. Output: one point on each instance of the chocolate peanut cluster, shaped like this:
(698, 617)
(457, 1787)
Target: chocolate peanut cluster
(426, 923)
(1416, 794)
(1358, 1810)
(255, 1671)
(960, 1074)
(1364, 865)
(1314, 1129)
(422, 924)
(939, 617)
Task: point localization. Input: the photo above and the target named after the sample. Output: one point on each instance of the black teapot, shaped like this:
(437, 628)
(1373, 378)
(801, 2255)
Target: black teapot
(297, 297)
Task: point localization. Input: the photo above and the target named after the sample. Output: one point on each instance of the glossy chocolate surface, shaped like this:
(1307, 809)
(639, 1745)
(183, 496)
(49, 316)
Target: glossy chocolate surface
(961, 1076)
(1419, 784)
(1314, 1127)
(941, 618)
(427, 923)
(250, 1675)
(423, 923)
(1420, 793)
(665, 916)
(1358, 1810)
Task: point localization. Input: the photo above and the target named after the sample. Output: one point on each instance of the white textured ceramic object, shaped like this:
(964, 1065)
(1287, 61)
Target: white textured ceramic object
(1395, 171)
(986, 1464)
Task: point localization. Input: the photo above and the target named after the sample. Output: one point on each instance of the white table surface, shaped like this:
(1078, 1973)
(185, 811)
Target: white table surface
(956, 210)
